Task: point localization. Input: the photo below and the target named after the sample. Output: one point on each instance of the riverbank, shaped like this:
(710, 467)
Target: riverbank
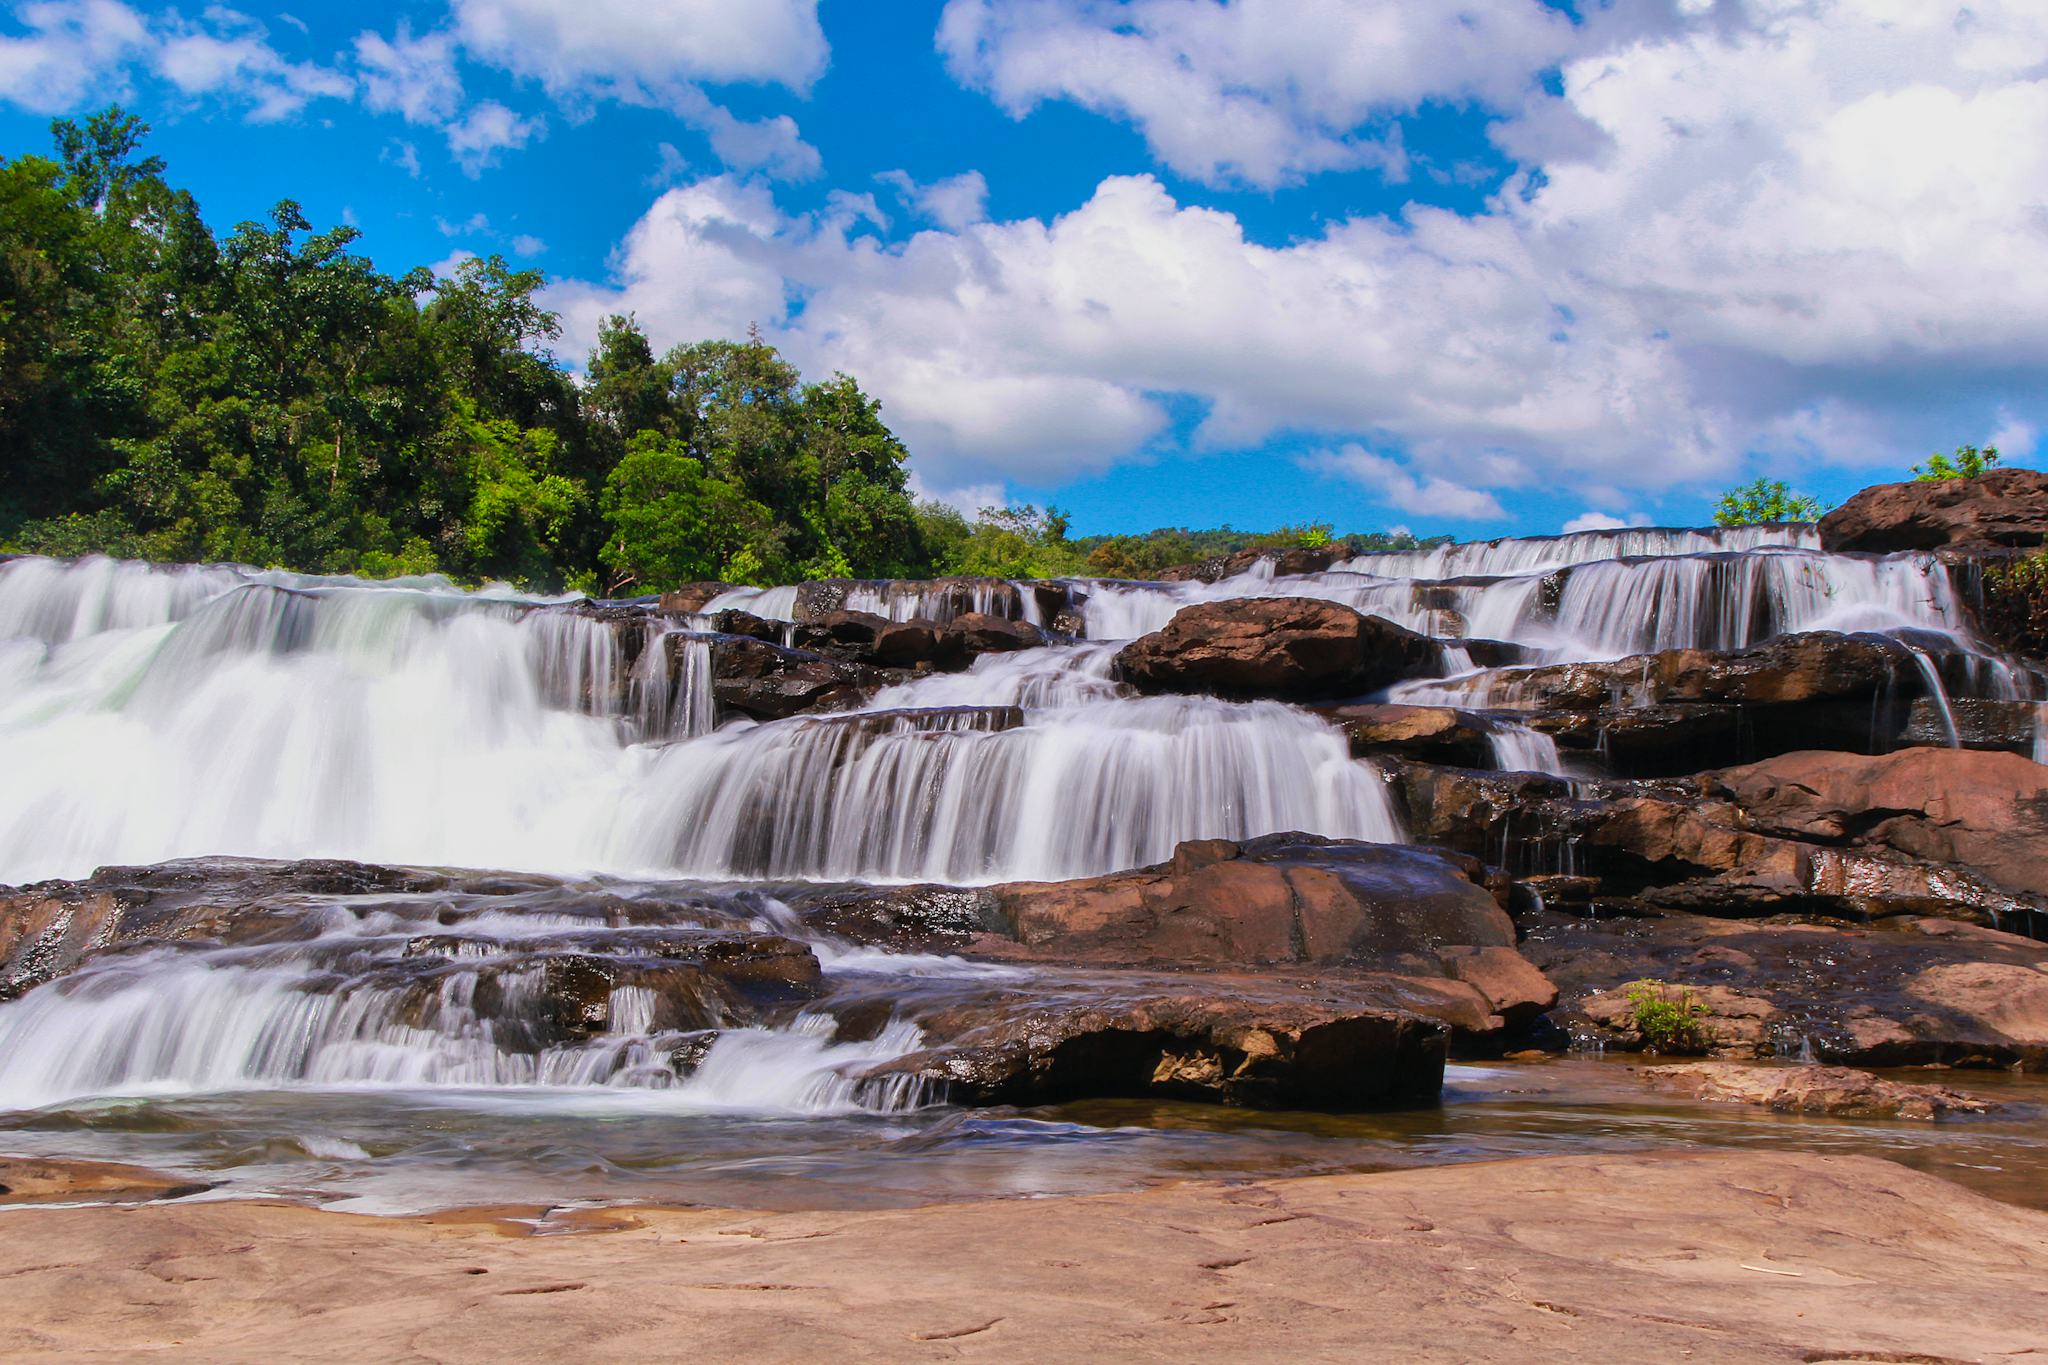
(1709, 1257)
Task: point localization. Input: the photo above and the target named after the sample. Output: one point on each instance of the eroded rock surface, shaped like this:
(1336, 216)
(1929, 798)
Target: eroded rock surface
(2003, 507)
(1839, 1091)
(1289, 648)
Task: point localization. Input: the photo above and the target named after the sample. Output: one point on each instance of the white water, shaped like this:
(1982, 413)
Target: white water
(148, 714)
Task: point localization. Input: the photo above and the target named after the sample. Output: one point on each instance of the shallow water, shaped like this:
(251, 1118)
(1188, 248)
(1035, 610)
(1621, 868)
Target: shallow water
(397, 1152)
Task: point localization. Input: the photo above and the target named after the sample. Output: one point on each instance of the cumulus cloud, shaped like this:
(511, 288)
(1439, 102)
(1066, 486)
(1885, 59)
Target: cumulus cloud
(489, 128)
(1803, 226)
(78, 51)
(415, 78)
(616, 45)
(1405, 490)
(955, 202)
(1260, 92)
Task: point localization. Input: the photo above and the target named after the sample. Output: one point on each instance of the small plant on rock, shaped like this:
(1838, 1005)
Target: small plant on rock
(1667, 1017)
(1967, 463)
(1766, 500)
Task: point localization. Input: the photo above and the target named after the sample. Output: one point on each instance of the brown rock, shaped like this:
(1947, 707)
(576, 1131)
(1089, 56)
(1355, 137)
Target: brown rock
(2004, 507)
(1300, 560)
(769, 682)
(1834, 1090)
(1438, 734)
(1292, 648)
(690, 598)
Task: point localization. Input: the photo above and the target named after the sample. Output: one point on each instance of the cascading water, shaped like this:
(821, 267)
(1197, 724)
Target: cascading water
(156, 714)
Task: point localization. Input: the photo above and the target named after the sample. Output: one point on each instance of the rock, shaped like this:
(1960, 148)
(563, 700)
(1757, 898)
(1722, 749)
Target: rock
(1919, 832)
(1987, 812)
(864, 637)
(1293, 1053)
(733, 621)
(1438, 734)
(1512, 985)
(938, 600)
(1291, 648)
(1299, 560)
(1285, 898)
(47, 929)
(973, 633)
(768, 682)
(691, 598)
(1975, 723)
(1834, 1090)
(1685, 710)
(1880, 996)
(2004, 507)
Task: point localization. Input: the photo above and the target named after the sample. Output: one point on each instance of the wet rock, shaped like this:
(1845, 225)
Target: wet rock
(1920, 832)
(2004, 507)
(1291, 648)
(907, 918)
(1278, 899)
(769, 682)
(691, 598)
(733, 621)
(974, 633)
(1686, 710)
(1987, 812)
(1301, 1053)
(1437, 734)
(47, 929)
(1299, 560)
(1975, 723)
(1841, 1092)
(1889, 995)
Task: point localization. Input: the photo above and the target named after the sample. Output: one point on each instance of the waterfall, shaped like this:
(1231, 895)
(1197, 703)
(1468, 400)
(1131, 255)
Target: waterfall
(365, 1005)
(151, 713)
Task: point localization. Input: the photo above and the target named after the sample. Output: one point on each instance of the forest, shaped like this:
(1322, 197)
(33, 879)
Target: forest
(270, 397)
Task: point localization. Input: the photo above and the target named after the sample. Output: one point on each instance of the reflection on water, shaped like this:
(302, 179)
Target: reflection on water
(396, 1152)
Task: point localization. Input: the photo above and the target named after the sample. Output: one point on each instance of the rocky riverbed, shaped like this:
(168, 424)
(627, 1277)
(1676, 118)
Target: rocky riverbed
(864, 895)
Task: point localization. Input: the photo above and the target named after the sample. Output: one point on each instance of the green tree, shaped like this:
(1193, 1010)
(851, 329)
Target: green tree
(1967, 463)
(1766, 500)
(674, 522)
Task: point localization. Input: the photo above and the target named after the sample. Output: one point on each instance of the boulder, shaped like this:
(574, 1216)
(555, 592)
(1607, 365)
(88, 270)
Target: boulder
(1309, 1050)
(2000, 508)
(691, 598)
(1299, 560)
(1290, 648)
(1437, 734)
(1907, 992)
(769, 682)
(972, 633)
(1841, 1092)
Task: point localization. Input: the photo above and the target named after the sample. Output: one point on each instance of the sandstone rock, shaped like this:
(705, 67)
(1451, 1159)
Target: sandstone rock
(1987, 812)
(1263, 1053)
(1853, 996)
(2004, 507)
(691, 598)
(1439, 734)
(1834, 1090)
(972, 633)
(1292, 648)
(768, 682)
(1300, 560)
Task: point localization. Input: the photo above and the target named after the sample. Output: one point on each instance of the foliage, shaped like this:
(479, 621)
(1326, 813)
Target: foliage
(1967, 463)
(1668, 1018)
(270, 396)
(2013, 612)
(1766, 500)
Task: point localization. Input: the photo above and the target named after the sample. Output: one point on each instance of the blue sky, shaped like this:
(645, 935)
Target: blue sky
(1479, 266)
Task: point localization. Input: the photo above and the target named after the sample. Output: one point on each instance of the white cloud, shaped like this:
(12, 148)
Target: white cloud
(1592, 520)
(670, 168)
(1262, 92)
(489, 128)
(71, 51)
(78, 51)
(955, 202)
(415, 78)
(526, 244)
(475, 223)
(1405, 490)
(659, 55)
(2016, 438)
(615, 45)
(403, 155)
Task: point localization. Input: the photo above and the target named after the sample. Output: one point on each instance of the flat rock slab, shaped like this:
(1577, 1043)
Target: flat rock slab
(1840, 1091)
(1726, 1257)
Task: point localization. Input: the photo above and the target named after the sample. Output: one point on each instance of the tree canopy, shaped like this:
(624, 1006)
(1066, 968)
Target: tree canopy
(269, 396)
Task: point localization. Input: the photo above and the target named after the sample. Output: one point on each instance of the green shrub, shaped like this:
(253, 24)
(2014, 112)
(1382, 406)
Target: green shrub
(1766, 500)
(1668, 1017)
(1967, 463)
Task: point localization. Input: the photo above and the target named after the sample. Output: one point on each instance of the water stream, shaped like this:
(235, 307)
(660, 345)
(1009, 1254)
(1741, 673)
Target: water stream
(407, 1051)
